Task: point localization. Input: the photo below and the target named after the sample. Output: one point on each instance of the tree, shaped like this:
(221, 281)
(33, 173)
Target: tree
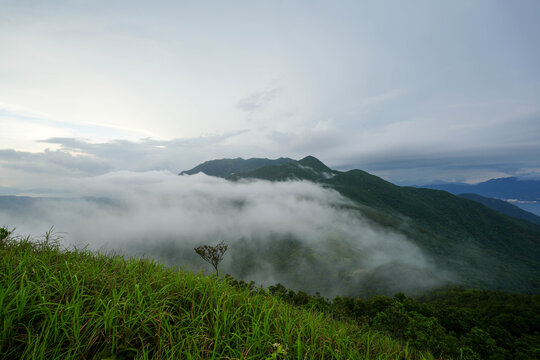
(212, 254)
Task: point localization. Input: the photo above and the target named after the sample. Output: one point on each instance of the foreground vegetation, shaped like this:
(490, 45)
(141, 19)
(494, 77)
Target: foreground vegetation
(451, 322)
(77, 304)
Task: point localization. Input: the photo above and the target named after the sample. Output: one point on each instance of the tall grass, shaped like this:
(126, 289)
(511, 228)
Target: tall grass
(77, 304)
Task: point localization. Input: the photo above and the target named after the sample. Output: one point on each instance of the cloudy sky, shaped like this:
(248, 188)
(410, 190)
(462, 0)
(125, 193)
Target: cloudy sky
(413, 91)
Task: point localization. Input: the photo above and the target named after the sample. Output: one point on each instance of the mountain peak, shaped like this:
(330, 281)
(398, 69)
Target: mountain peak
(315, 164)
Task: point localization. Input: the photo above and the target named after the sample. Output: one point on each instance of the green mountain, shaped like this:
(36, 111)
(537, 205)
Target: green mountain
(227, 167)
(503, 207)
(308, 168)
(483, 247)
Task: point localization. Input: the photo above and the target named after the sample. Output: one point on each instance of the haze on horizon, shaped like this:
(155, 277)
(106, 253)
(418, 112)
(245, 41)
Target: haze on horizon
(414, 92)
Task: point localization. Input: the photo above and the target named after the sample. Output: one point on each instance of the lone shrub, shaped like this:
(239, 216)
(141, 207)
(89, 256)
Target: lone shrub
(212, 254)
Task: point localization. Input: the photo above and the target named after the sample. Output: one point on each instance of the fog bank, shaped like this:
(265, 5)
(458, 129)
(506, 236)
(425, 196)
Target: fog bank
(300, 234)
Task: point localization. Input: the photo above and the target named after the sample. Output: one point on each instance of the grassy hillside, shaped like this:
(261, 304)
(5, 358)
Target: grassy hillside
(59, 304)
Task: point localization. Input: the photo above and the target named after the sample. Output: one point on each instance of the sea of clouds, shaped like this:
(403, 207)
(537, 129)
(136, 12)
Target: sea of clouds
(297, 233)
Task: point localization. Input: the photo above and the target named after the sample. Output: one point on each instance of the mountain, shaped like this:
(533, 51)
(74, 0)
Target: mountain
(502, 188)
(227, 167)
(503, 207)
(309, 168)
(485, 248)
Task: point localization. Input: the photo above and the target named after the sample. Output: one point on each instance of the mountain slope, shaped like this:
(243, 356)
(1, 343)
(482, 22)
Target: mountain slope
(226, 167)
(503, 207)
(484, 247)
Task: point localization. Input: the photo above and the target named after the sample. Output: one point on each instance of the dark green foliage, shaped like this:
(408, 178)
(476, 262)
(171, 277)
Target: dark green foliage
(503, 207)
(450, 322)
(226, 167)
(309, 168)
(315, 164)
(4, 234)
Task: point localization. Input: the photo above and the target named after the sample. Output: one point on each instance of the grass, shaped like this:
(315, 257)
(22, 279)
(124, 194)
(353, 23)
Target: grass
(77, 304)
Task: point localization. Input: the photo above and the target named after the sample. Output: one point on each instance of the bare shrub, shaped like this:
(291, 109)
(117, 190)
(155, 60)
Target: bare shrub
(212, 254)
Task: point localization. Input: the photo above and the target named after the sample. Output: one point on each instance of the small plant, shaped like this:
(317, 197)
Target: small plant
(280, 351)
(4, 234)
(212, 254)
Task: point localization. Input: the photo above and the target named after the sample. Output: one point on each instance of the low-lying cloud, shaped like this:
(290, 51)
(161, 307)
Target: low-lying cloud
(297, 233)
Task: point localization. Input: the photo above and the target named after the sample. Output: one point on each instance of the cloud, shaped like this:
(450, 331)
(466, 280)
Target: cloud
(53, 162)
(407, 152)
(296, 233)
(37, 173)
(411, 152)
(257, 101)
(75, 157)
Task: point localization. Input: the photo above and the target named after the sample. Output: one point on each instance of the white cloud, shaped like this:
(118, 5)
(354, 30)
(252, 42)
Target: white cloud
(163, 215)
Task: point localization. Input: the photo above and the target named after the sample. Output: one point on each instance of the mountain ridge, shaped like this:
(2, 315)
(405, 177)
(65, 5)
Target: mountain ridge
(486, 248)
(226, 167)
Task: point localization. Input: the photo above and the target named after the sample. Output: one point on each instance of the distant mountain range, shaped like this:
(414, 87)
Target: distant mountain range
(484, 247)
(502, 188)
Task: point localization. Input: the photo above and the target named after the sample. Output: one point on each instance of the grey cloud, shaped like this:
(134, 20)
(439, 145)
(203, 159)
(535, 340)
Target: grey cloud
(466, 153)
(82, 157)
(424, 167)
(257, 100)
(504, 147)
(37, 173)
(10, 154)
(52, 162)
(313, 141)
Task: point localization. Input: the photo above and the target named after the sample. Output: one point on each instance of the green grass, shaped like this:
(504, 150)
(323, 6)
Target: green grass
(78, 304)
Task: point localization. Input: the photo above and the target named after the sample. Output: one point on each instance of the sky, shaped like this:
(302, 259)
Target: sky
(415, 92)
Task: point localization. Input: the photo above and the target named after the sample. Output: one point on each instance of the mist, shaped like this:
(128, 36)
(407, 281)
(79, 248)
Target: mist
(297, 233)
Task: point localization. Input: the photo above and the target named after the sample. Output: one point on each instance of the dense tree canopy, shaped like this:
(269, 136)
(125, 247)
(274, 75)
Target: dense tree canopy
(450, 322)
